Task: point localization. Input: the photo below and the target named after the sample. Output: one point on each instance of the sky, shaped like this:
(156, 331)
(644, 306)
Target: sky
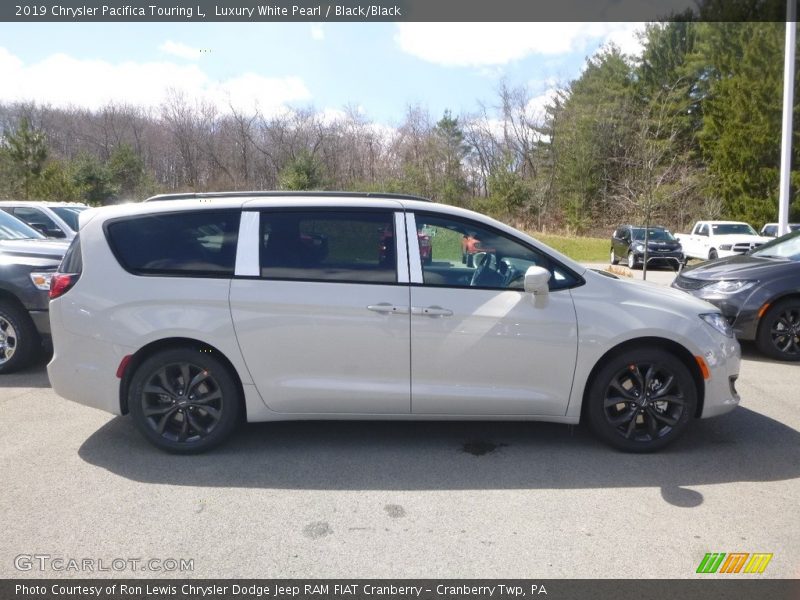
(377, 68)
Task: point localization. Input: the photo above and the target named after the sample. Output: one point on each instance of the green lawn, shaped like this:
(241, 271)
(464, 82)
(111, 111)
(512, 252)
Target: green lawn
(582, 249)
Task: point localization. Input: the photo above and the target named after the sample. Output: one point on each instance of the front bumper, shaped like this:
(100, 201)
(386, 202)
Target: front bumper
(41, 320)
(740, 309)
(672, 258)
(723, 357)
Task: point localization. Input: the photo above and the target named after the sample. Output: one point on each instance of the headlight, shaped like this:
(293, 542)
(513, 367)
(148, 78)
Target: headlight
(718, 322)
(638, 246)
(730, 286)
(726, 247)
(41, 280)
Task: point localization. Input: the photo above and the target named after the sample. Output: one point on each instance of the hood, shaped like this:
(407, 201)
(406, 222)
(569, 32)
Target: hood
(646, 293)
(33, 248)
(741, 237)
(740, 267)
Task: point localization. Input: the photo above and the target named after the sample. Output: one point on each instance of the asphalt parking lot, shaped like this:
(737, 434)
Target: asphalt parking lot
(401, 499)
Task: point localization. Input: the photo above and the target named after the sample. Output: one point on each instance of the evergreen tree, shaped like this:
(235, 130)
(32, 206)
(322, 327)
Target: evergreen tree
(26, 149)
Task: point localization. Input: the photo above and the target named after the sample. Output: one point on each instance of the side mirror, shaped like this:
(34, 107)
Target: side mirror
(536, 279)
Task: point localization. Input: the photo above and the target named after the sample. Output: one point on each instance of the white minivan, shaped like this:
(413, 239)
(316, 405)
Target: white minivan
(196, 313)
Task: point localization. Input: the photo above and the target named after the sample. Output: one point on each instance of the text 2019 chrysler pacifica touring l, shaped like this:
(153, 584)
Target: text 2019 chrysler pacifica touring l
(193, 314)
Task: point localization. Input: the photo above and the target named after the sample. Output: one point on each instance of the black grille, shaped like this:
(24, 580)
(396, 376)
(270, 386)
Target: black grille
(687, 283)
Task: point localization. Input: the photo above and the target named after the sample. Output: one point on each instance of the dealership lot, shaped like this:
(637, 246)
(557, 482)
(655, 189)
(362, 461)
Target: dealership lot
(400, 499)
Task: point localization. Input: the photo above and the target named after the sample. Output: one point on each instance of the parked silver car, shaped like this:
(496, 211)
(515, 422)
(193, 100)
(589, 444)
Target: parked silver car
(192, 314)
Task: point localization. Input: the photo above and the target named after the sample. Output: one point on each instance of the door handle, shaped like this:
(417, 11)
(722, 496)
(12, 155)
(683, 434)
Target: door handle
(431, 311)
(386, 308)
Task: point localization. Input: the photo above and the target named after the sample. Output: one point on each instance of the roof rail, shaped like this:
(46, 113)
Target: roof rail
(267, 194)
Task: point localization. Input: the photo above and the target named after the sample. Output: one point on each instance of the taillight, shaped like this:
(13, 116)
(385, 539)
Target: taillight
(61, 283)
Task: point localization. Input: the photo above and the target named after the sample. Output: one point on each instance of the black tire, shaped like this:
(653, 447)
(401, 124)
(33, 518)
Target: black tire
(712, 254)
(619, 415)
(632, 262)
(19, 340)
(175, 419)
(613, 260)
(779, 331)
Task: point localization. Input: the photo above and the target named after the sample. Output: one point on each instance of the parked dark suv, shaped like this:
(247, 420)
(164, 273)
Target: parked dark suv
(627, 243)
(27, 262)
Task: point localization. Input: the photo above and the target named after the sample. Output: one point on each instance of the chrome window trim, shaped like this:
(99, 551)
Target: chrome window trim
(401, 247)
(247, 246)
(414, 260)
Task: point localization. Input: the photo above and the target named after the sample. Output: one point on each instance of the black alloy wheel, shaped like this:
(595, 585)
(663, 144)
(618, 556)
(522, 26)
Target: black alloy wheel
(779, 331)
(184, 400)
(642, 400)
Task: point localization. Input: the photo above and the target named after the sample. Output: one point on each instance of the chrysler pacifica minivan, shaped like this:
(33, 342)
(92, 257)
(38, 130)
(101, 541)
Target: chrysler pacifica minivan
(191, 315)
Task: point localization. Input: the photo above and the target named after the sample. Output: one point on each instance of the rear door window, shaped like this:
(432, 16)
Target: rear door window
(343, 246)
(200, 244)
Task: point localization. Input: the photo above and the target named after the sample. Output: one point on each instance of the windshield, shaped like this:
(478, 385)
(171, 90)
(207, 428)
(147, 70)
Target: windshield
(69, 214)
(785, 247)
(733, 228)
(13, 229)
(654, 235)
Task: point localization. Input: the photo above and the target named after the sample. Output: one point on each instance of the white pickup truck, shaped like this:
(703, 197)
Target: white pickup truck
(716, 239)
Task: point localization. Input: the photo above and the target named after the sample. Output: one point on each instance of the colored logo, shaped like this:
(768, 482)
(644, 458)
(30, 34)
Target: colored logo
(734, 562)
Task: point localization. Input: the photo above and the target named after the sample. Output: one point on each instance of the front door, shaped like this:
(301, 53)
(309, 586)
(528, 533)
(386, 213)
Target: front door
(479, 344)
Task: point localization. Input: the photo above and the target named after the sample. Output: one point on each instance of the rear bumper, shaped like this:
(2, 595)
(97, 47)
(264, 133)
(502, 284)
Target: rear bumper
(84, 369)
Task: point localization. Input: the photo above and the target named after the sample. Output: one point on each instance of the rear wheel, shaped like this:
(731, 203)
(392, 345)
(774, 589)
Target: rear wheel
(641, 400)
(19, 340)
(184, 400)
(613, 260)
(779, 331)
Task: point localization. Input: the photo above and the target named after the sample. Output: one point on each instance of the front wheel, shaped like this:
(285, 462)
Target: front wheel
(632, 262)
(779, 332)
(184, 401)
(19, 340)
(712, 254)
(641, 400)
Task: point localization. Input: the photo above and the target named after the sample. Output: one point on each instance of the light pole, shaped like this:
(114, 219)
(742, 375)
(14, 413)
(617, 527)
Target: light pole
(788, 104)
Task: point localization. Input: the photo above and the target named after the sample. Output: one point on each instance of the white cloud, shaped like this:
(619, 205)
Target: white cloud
(317, 32)
(625, 35)
(536, 105)
(179, 49)
(490, 44)
(62, 80)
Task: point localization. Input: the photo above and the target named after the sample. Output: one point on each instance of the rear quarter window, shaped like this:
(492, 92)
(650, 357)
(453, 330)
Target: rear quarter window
(200, 243)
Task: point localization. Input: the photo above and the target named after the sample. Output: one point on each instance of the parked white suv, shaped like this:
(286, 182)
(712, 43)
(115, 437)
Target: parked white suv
(193, 314)
(51, 219)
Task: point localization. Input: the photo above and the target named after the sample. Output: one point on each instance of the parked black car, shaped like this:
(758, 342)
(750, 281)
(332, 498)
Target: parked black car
(27, 261)
(759, 294)
(627, 243)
